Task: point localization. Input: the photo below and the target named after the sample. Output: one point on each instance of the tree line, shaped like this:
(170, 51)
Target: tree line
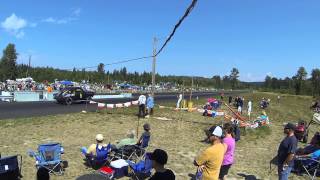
(298, 84)
(9, 69)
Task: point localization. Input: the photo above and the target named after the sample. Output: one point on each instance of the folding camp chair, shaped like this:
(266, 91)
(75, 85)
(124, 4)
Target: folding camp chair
(101, 157)
(309, 165)
(142, 169)
(9, 167)
(49, 157)
(132, 152)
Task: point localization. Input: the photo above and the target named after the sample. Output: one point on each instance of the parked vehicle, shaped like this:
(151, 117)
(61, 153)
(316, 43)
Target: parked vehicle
(72, 95)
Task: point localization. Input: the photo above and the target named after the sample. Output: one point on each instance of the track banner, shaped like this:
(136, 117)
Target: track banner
(119, 105)
(110, 106)
(101, 105)
(135, 102)
(127, 104)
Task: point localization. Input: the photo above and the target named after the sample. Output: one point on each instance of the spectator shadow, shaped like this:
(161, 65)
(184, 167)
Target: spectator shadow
(248, 177)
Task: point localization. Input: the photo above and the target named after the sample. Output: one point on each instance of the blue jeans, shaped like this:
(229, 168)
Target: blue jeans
(284, 174)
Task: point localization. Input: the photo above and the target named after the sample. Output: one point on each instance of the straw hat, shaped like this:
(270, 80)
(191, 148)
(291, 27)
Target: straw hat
(99, 137)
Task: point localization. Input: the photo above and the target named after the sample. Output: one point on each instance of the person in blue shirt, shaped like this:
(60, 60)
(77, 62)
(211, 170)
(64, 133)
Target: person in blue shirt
(150, 104)
(286, 152)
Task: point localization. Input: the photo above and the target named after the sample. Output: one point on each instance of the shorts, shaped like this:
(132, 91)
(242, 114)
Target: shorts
(224, 170)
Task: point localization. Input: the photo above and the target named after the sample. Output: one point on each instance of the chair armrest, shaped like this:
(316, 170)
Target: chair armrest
(31, 153)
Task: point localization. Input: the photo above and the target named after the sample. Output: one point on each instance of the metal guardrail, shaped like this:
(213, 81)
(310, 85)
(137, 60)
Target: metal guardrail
(33, 96)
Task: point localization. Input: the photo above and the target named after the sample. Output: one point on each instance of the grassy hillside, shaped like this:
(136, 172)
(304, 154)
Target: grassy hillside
(180, 135)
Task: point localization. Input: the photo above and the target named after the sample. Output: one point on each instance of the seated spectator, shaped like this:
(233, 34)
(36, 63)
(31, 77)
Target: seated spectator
(315, 105)
(159, 158)
(298, 168)
(145, 137)
(92, 150)
(130, 140)
(312, 147)
(43, 174)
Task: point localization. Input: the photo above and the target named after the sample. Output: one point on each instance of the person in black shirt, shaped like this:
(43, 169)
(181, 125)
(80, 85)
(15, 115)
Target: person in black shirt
(230, 100)
(286, 151)
(159, 158)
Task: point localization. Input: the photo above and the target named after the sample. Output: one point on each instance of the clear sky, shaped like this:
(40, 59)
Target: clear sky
(272, 37)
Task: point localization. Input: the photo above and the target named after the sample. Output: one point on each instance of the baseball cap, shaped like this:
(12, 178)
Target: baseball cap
(146, 126)
(160, 156)
(290, 126)
(216, 131)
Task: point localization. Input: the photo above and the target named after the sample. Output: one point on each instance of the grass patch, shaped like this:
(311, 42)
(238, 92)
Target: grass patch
(180, 136)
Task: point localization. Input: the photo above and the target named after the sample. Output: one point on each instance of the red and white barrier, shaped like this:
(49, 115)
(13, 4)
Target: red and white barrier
(111, 106)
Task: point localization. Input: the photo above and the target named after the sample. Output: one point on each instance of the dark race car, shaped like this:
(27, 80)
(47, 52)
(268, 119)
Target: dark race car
(72, 95)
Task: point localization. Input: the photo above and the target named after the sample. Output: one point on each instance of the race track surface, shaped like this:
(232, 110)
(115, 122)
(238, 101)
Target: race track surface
(32, 109)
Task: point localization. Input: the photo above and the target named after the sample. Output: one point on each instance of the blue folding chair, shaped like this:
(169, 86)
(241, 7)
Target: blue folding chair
(49, 157)
(9, 167)
(140, 150)
(308, 165)
(142, 169)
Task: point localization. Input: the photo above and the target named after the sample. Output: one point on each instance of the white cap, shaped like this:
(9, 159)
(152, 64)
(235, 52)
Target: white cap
(217, 131)
(99, 137)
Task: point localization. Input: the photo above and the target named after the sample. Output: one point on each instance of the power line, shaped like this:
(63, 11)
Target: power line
(129, 60)
(113, 63)
(192, 5)
(187, 12)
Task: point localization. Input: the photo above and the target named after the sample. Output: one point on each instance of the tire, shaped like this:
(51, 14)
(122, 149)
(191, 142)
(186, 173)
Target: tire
(68, 101)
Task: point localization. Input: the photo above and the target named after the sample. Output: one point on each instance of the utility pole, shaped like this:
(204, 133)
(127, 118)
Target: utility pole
(154, 65)
(28, 66)
(191, 88)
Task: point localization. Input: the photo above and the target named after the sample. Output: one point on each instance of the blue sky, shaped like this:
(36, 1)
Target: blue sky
(272, 37)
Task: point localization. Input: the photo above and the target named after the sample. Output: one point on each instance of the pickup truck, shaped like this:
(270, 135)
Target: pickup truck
(72, 95)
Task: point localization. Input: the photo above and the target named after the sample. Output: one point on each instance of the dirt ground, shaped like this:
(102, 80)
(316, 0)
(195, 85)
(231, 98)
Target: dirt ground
(179, 133)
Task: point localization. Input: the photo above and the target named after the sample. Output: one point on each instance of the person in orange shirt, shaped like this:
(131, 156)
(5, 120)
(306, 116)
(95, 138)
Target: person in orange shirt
(210, 160)
(49, 89)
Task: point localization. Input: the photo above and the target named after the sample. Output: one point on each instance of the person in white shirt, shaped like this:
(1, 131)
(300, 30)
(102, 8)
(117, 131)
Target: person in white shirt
(249, 108)
(179, 101)
(142, 105)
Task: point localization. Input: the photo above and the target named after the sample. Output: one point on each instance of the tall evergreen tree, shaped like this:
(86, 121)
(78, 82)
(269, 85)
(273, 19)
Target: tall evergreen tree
(9, 63)
(234, 77)
(315, 79)
(299, 79)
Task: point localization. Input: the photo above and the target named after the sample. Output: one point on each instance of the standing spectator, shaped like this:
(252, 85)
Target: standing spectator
(240, 105)
(278, 99)
(159, 158)
(210, 160)
(286, 151)
(229, 155)
(221, 96)
(179, 101)
(142, 105)
(230, 100)
(249, 108)
(150, 104)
